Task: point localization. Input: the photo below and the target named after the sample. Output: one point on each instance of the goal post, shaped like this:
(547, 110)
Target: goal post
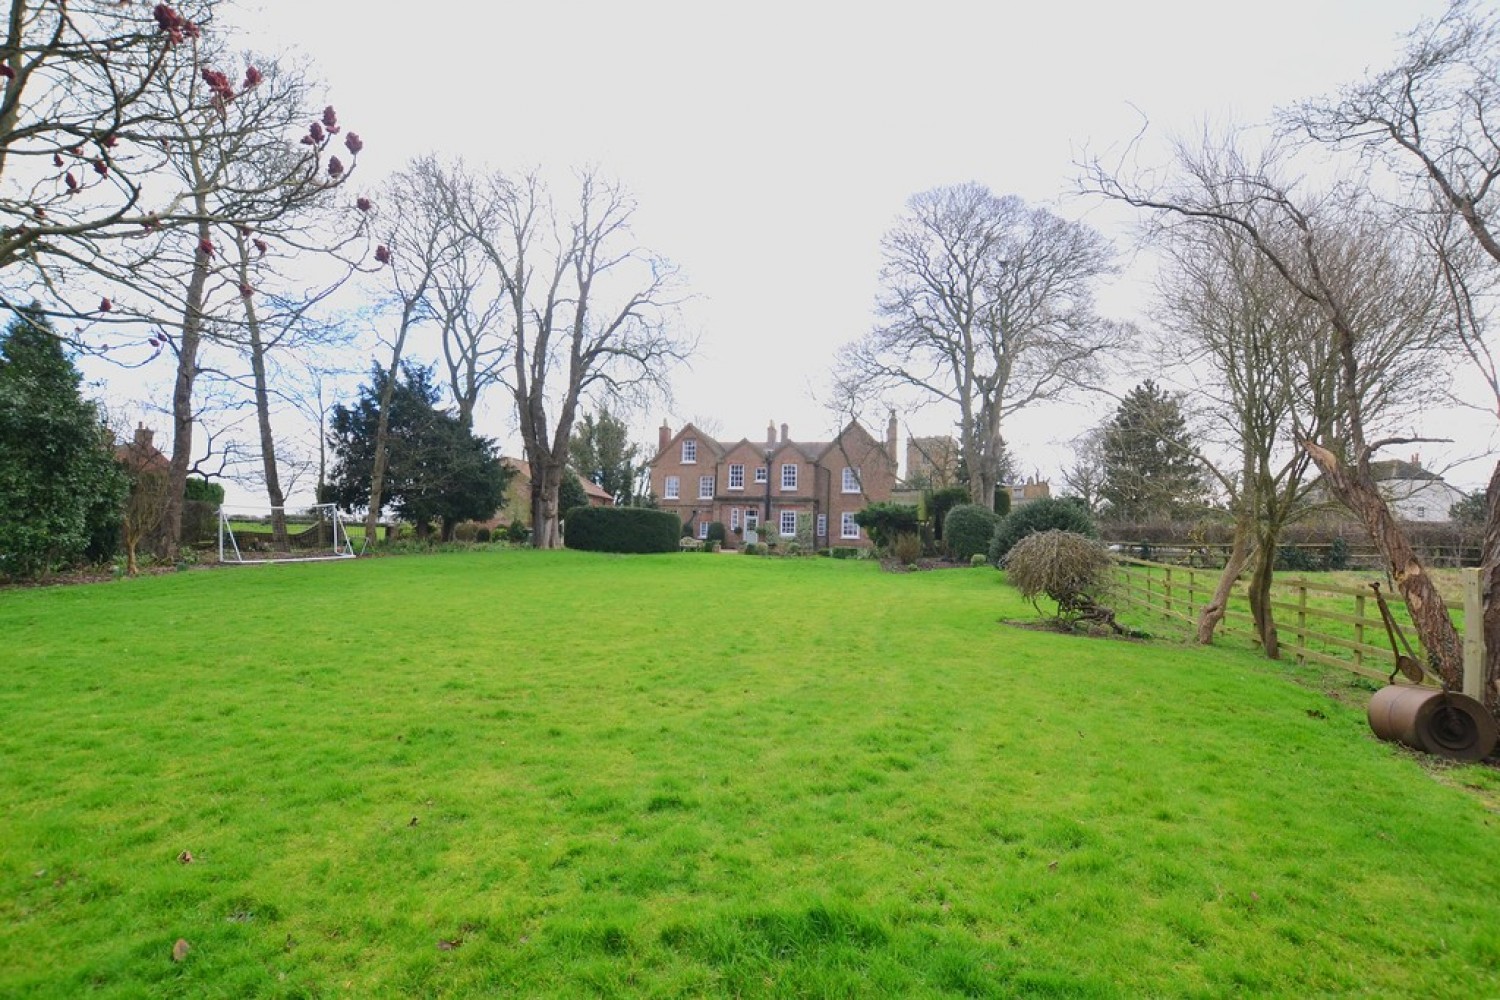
(283, 534)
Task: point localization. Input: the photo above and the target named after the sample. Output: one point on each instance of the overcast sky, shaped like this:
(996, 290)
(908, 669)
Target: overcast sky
(770, 145)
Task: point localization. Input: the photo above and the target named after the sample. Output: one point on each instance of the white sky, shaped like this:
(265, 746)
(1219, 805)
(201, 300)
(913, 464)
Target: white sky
(770, 145)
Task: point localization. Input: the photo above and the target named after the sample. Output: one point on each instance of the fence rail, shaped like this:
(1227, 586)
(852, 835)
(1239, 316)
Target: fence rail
(1320, 622)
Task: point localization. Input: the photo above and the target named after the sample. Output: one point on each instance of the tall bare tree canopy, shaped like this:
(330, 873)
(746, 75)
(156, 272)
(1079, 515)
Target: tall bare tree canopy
(588, 312)
(988, 307)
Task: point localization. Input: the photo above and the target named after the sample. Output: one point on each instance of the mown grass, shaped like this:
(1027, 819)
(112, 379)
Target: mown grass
(555, 774)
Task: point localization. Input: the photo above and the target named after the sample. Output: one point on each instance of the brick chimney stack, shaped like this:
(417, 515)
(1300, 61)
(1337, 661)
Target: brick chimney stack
(783, 433)
(663, 437)
(143, 437)
(890, 437)
(771, 432)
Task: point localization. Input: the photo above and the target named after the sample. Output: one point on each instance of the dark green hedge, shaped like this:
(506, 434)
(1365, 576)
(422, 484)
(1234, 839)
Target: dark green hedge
(622, 529)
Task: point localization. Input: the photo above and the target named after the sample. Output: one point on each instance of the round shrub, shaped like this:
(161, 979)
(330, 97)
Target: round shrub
(1072, 570)
(967, 529)
(1045, 514)
(622, 529)
(716, 532)
(482, 535)
(979, 559)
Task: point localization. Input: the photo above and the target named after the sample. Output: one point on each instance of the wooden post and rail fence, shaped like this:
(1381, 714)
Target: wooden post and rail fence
(1336, 625)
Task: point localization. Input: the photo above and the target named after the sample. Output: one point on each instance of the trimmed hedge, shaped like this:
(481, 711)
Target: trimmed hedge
(1045, 514)
(622, 529)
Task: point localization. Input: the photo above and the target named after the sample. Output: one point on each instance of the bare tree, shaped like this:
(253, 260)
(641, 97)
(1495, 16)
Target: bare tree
(420, 237)
(1434, 118)
(987, 307)
(1373, 303)
(1085, 477)
(589, 313)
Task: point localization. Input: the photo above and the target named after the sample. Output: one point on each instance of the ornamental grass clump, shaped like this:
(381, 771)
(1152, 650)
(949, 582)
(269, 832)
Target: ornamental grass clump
(1069, 568)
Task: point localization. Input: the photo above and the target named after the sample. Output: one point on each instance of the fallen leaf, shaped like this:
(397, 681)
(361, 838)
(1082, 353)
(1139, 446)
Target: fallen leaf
(446, 945)
(414, 821)
(1052, 866)
(180, 950)
(186, 857)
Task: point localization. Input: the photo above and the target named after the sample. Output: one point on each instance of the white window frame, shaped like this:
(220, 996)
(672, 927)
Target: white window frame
(851, 480)
(689, 451)
(752, 518)
(760, 473)
(822, 526)
(734, 519)
(705, 487)
(671, 489)
(848, 527)
(785, 516)
(788, 482)
(737, 476)
(702, 529)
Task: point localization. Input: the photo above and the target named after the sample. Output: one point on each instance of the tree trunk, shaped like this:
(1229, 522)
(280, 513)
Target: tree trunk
(1260, 601)
(1489, 584)
(546, 479)
(1239, 556)
(188, 342)
(274, 495)
(1434, 627)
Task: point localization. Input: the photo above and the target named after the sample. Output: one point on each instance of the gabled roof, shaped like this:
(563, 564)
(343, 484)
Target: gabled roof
(590, 488)
(1394, 468)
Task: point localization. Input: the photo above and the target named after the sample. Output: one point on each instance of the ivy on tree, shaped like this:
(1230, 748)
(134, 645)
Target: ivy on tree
(437, 469)
(59, 486)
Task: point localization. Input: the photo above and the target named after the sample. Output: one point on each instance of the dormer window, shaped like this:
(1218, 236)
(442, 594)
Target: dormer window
(690, 450)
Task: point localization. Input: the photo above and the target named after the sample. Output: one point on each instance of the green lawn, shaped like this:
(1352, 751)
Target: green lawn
(510, 773)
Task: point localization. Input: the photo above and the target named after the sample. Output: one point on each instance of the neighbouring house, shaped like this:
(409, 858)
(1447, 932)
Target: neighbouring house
(931, 462)
(1025, 492)
(141, 455)
(1414, 493)
(518, 494)
(777, 485)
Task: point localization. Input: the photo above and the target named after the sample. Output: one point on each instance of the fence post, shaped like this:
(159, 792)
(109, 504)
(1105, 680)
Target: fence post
(1359, 629)
(1167, 587)
(1301, 621)
(1473, 636)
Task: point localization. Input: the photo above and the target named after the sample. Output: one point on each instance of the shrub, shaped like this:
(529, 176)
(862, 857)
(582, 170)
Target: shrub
(793, 548)
(1294, 559)
(884, 521)
(844, 552)
(1072, 570)
(204, 491)
(516, 532)
(466, 531)
(1045, 514)
(979, 559)
(968, 530)
(755, 549)
(1337, 557)
(622, 529)
(483, 535)
(940, 502)
(907, 548)
(1002, 501)
(716, 532)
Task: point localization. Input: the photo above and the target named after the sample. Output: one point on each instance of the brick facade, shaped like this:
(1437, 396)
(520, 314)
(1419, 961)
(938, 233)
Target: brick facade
(775, 483)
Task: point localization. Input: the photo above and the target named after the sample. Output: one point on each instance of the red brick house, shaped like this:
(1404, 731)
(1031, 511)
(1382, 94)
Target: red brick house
(791, 488)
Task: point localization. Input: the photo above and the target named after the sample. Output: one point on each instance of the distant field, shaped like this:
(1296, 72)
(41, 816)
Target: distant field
(513, 773)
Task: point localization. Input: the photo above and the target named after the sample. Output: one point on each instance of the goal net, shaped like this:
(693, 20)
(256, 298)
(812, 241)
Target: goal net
(281, 534)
